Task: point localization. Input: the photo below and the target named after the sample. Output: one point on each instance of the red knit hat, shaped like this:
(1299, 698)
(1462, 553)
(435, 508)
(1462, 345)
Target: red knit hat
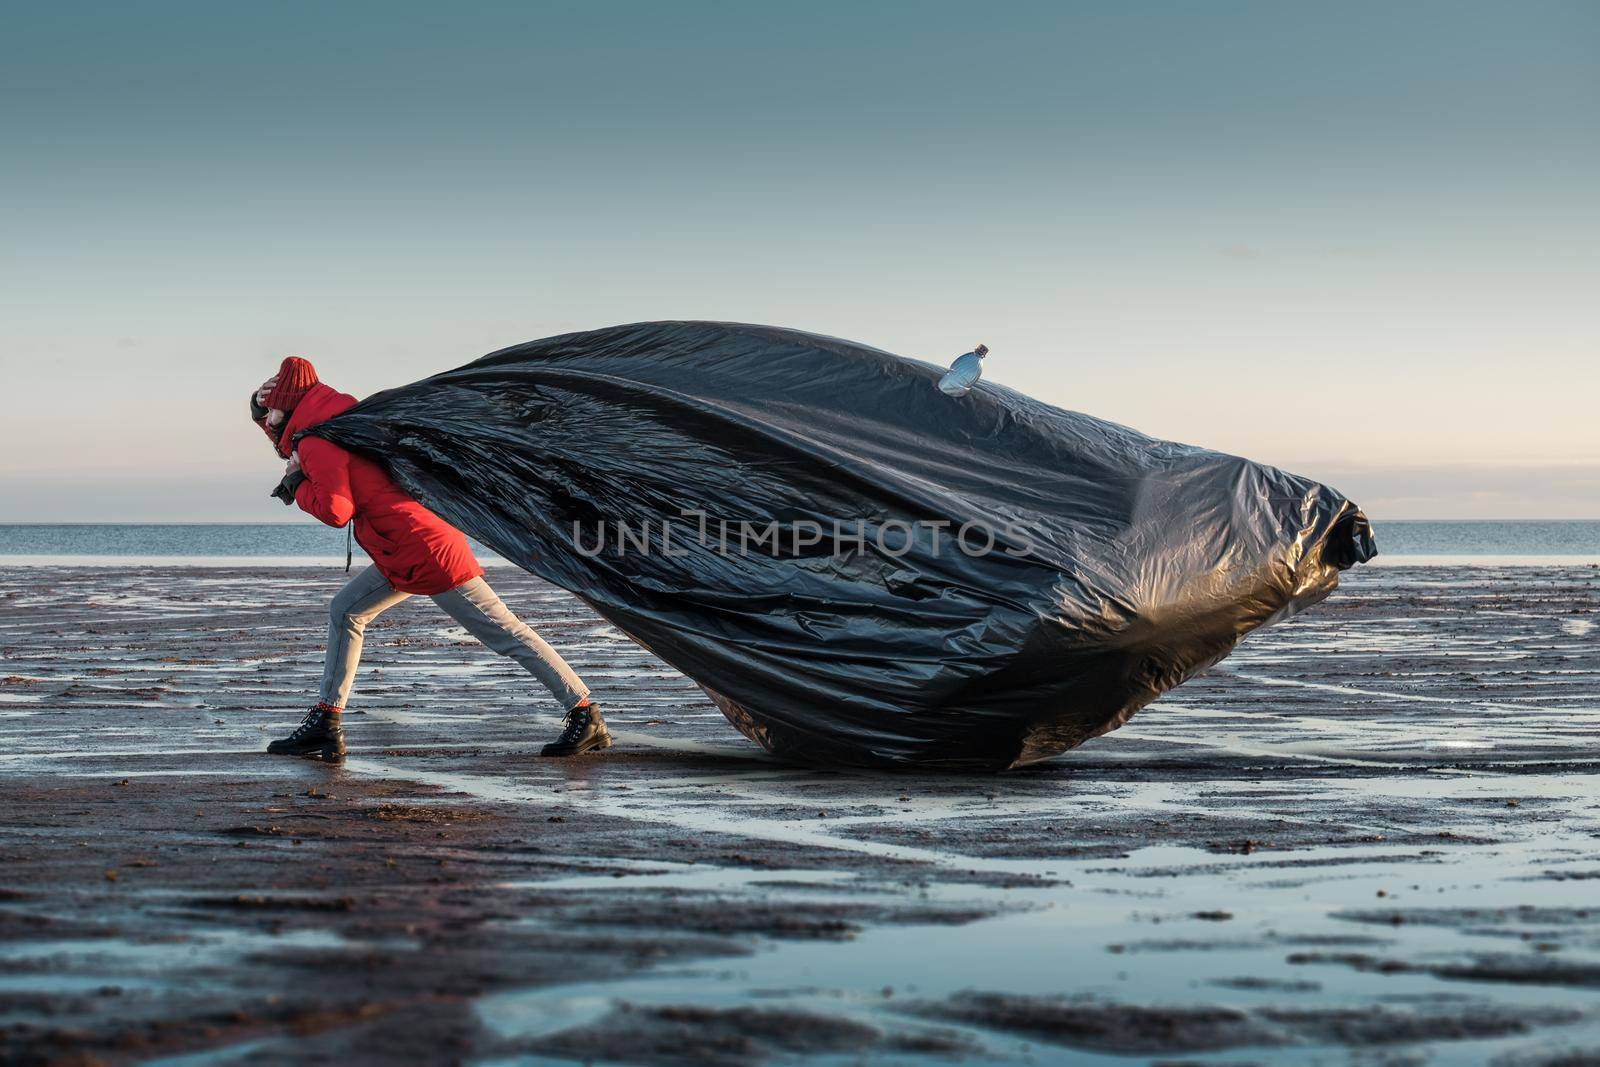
(295, 379)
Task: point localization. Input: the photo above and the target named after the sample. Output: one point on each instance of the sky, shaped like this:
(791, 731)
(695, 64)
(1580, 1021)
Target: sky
(1359, 241)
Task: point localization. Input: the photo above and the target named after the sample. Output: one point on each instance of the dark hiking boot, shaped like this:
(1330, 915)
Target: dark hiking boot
(318, 735)
(584, 731)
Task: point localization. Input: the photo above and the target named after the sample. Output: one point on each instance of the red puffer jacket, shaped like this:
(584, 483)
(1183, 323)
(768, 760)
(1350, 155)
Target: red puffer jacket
(412, 547)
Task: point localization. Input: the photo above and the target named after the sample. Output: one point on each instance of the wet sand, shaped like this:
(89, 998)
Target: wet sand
(1370, 836)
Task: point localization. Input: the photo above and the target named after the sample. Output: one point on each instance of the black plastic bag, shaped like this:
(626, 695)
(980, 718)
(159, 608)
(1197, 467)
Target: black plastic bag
(1082, 568)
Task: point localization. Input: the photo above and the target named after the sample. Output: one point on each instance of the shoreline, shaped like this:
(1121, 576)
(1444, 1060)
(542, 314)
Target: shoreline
(312, 562)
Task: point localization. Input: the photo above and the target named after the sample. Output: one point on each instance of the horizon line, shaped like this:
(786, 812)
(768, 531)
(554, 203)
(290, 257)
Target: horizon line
(309, 522)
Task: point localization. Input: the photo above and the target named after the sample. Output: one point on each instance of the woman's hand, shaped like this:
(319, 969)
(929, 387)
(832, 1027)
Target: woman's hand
(292, 477)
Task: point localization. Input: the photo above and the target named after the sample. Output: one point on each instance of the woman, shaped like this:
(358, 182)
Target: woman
(413, 552)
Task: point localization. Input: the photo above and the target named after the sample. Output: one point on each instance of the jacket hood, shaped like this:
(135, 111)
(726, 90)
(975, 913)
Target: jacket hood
(321, 402)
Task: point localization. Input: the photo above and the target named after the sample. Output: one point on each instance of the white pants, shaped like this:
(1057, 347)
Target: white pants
(472, 604)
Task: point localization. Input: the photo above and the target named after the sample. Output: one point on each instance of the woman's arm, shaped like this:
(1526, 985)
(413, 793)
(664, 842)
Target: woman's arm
(325, 492)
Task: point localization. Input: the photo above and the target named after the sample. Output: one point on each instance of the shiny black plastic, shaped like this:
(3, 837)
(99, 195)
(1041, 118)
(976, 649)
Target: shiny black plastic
(1120, 565)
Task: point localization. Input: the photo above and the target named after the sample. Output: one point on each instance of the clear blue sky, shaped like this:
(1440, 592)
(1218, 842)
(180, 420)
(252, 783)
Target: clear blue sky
(1358, 240)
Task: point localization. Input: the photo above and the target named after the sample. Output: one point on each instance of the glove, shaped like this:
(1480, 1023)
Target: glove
(259, 411)
(266, 390)
(286, 488)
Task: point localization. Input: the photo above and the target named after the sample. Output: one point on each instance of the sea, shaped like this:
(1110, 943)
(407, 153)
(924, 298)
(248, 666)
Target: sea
(1400, 542)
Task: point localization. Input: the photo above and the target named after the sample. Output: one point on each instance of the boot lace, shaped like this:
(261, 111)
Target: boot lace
(315, 720)
(575, 724)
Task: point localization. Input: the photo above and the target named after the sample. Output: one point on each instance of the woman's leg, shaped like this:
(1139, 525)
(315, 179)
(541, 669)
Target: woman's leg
(363, 599)
(474, 605)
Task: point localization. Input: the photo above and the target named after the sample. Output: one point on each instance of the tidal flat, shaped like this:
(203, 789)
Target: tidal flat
(1370, 835)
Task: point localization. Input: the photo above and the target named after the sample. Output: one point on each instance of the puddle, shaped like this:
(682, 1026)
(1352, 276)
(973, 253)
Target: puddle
(239, 1053)
(197, 960)
(1093, 938)
(210, 948)
(1169, 925)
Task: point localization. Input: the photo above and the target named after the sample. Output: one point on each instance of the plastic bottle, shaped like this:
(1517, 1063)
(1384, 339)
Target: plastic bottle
(964, 372)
